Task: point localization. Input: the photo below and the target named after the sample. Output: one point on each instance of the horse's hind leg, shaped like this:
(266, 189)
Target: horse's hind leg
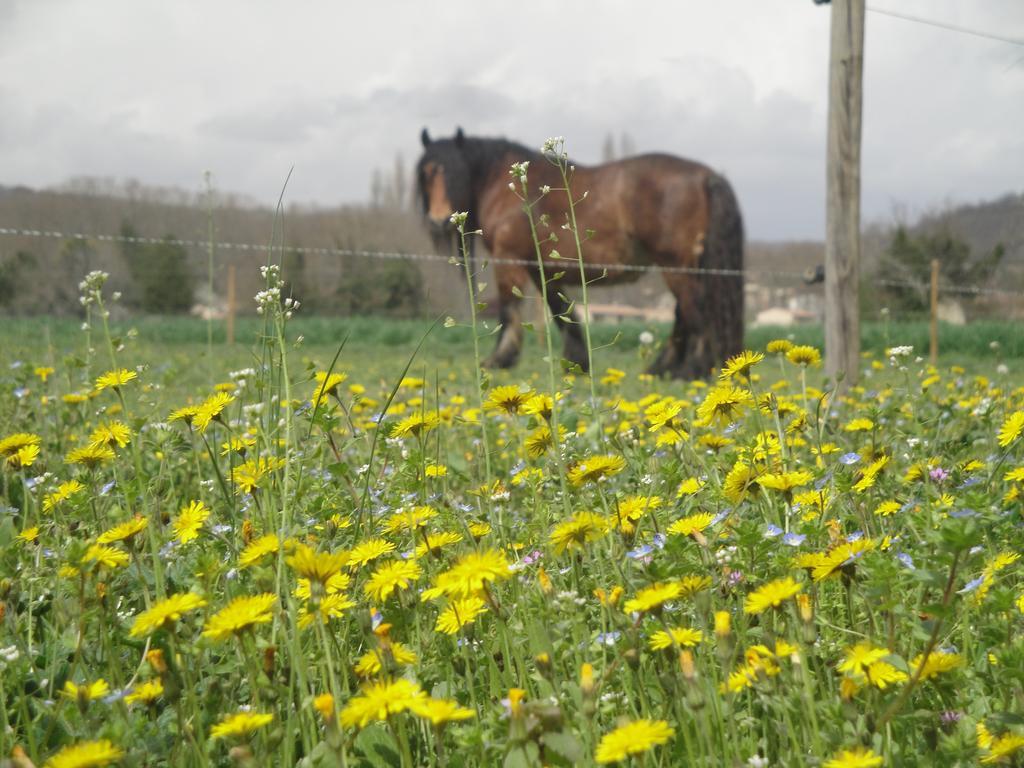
(671, 355)
(510, 338)
(687, 352)
(575, 348)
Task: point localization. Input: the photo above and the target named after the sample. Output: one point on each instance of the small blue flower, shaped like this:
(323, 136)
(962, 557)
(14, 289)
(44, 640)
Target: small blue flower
(965, 512)
(971, 585)
(642, 551)
(849, 459)
(107, 488)
(20, 392)
(608, 638)
(969, 482)
(659, 540)
(855, 536)
(794, 539)
(907, 560)
(772, 531)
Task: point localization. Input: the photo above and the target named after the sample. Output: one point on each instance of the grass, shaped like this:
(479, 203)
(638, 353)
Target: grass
(627, 587)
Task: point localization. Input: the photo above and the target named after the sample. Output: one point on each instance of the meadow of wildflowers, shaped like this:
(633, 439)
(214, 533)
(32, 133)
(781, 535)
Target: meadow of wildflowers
(303, 565)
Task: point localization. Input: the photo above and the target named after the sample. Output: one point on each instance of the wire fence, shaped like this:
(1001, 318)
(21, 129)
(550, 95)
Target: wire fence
(341, 253)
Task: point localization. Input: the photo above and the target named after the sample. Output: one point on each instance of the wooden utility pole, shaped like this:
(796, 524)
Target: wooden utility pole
(231, 305)
(842, 220)
(933, 350)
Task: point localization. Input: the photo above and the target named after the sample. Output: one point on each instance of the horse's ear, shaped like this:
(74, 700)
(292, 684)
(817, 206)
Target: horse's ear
(425, 138)
(460, 137)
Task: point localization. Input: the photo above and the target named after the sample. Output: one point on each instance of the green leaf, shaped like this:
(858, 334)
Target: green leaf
(378, 746)
(564, 744)
(523, 756)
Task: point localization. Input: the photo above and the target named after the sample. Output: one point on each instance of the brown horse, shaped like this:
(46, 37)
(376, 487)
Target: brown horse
(653, 210)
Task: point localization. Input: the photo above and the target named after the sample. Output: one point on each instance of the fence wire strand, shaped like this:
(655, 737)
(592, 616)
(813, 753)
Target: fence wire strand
(968, 290)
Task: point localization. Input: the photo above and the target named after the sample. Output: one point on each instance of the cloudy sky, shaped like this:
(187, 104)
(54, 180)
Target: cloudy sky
(162, 91)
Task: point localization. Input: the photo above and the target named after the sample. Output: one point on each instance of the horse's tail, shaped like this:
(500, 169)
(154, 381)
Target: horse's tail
(723, 291)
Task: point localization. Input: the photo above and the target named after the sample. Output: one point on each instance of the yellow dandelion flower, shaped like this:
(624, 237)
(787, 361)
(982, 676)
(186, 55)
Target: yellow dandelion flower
(115, 433)
(785, 482)
(936, 663)
(90, 456)
(24, 456)
(240, 614)
(210, 410)
(882, 674)
(633, 738)
(257, 549)
(165, 612)
(368, 551)
(415, 424)
(508, 398)
(689, 487)
(86, 754)
(771, 595)
(123, 531)
(471, 572)
(105, 556)
(692, 525)
(1011, 429)
(316, 566)
(87, 691)
(64, 492)
(372, 662)
(723, 404)
(860, 757)
(680, 636)
(653, 597)
(574, 533)
(440, 711)
(778, 346)
(458, 614)
(859, 425)
(240, 724)
(379, 700)
(327, 385)
(739, 481)
(248, 475)
(595, 469)
(740, 365)
(390, 577)
(339, 582)
(803, 356)
(859, 657)
(433, 543)
(115, 379)
(146, 693)
(409, 520)
(185, 414)
(333, 606)
(539, 405)
(189, 520)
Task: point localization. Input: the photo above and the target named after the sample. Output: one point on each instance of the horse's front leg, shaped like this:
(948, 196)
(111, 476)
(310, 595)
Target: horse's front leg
(575, 347)
(510, 337)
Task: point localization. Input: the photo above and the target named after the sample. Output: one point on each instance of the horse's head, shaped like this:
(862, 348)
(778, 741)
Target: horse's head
(443, 179)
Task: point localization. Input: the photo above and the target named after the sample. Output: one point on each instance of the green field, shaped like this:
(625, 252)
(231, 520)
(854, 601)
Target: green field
(386, 561)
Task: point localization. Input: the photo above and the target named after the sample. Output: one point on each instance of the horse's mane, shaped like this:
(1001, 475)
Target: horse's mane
(482, 153)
